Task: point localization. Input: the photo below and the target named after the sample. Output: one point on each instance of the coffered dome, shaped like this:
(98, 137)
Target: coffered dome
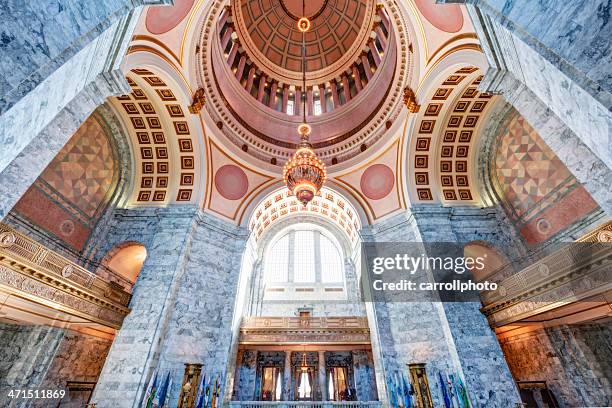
(356, 62)
(268, 31)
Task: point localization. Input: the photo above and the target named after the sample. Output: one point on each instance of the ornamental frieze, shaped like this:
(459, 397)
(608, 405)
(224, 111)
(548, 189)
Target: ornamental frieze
(31, 271)
(277, 330)
(577, 271)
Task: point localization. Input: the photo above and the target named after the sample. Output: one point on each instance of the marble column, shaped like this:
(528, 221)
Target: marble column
(262, 87)
(233, 53)
(366, 66)
(426, 330)
(322, 98)
(250, 79)
(346, 88)
(375, 54)
(44, 118)
(555, 53)
(182, 300)
(334, 91)
(227, 37)
(486, 373)
(287, 377)
(272, 101)
(357, 78)
(322, 372)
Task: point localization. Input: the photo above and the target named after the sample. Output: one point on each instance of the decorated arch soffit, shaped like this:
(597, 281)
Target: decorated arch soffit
(195, 163)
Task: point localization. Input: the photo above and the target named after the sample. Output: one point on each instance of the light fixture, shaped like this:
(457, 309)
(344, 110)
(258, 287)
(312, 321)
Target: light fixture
(304, 174)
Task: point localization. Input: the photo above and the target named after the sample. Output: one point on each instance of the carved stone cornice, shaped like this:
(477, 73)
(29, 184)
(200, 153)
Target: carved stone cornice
(299, 330)
(33, 272)
(577, 271)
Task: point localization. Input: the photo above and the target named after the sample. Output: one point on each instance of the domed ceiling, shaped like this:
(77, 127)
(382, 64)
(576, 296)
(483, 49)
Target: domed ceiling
(268, 30)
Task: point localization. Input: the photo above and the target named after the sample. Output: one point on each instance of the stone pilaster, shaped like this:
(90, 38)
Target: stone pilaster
(200, 326)
(365, 383)
(407, 332)
(447, 337)
(322, 377)
(182, 302)
(287, 377)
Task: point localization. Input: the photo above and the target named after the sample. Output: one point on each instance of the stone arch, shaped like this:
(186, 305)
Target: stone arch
(494, 258)
(518, 170)
(425, 149)
(168, 140)
(126, 259)
(86, 179)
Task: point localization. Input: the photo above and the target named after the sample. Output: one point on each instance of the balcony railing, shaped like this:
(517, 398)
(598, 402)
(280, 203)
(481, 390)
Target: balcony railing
(32, 271)
(305, 404)
(566, 273)
(297, 330)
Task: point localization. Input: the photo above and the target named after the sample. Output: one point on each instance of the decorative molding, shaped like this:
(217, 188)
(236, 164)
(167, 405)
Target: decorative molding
(299, 330)
(31, 271)
(198, 101)
(410, 100)
(577, 271)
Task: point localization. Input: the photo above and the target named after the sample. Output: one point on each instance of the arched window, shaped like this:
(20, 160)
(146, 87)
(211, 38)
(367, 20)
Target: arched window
(277, 261)
(304, 256)
(304, 253)
(331, 261)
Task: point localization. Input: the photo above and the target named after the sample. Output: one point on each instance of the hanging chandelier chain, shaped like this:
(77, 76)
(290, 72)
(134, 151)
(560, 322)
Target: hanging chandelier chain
(305, 173)
(304, 98)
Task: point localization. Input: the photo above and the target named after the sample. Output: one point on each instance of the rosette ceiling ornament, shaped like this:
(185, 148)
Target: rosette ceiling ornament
(304, 174)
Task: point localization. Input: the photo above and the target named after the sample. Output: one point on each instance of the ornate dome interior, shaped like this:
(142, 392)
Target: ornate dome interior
(187, 196)
(338, 29)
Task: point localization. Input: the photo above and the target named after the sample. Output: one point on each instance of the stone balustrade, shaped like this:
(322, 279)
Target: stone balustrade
(315, 330)
(32, 271)
(571, 273)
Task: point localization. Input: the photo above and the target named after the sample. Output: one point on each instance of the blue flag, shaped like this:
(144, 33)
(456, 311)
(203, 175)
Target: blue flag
(407, 393)
(151, 391)
(163, 391)
(200, 395)
(447, 401)
(392, 392)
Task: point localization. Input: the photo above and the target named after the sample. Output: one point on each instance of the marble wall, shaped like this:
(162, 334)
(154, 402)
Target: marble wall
(529, 65)
(26, 353)
(575, 362)
(246, 375)
(41, 357)
(365, 380)
(79, 357)
(39, 37)
(407, 332)
(572, 36)
(200, 327)
(43, 120)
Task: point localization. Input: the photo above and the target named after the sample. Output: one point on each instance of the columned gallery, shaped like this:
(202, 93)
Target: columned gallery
(247, 203)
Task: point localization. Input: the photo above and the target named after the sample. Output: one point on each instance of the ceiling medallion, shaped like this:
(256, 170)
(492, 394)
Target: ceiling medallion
(304, 174)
